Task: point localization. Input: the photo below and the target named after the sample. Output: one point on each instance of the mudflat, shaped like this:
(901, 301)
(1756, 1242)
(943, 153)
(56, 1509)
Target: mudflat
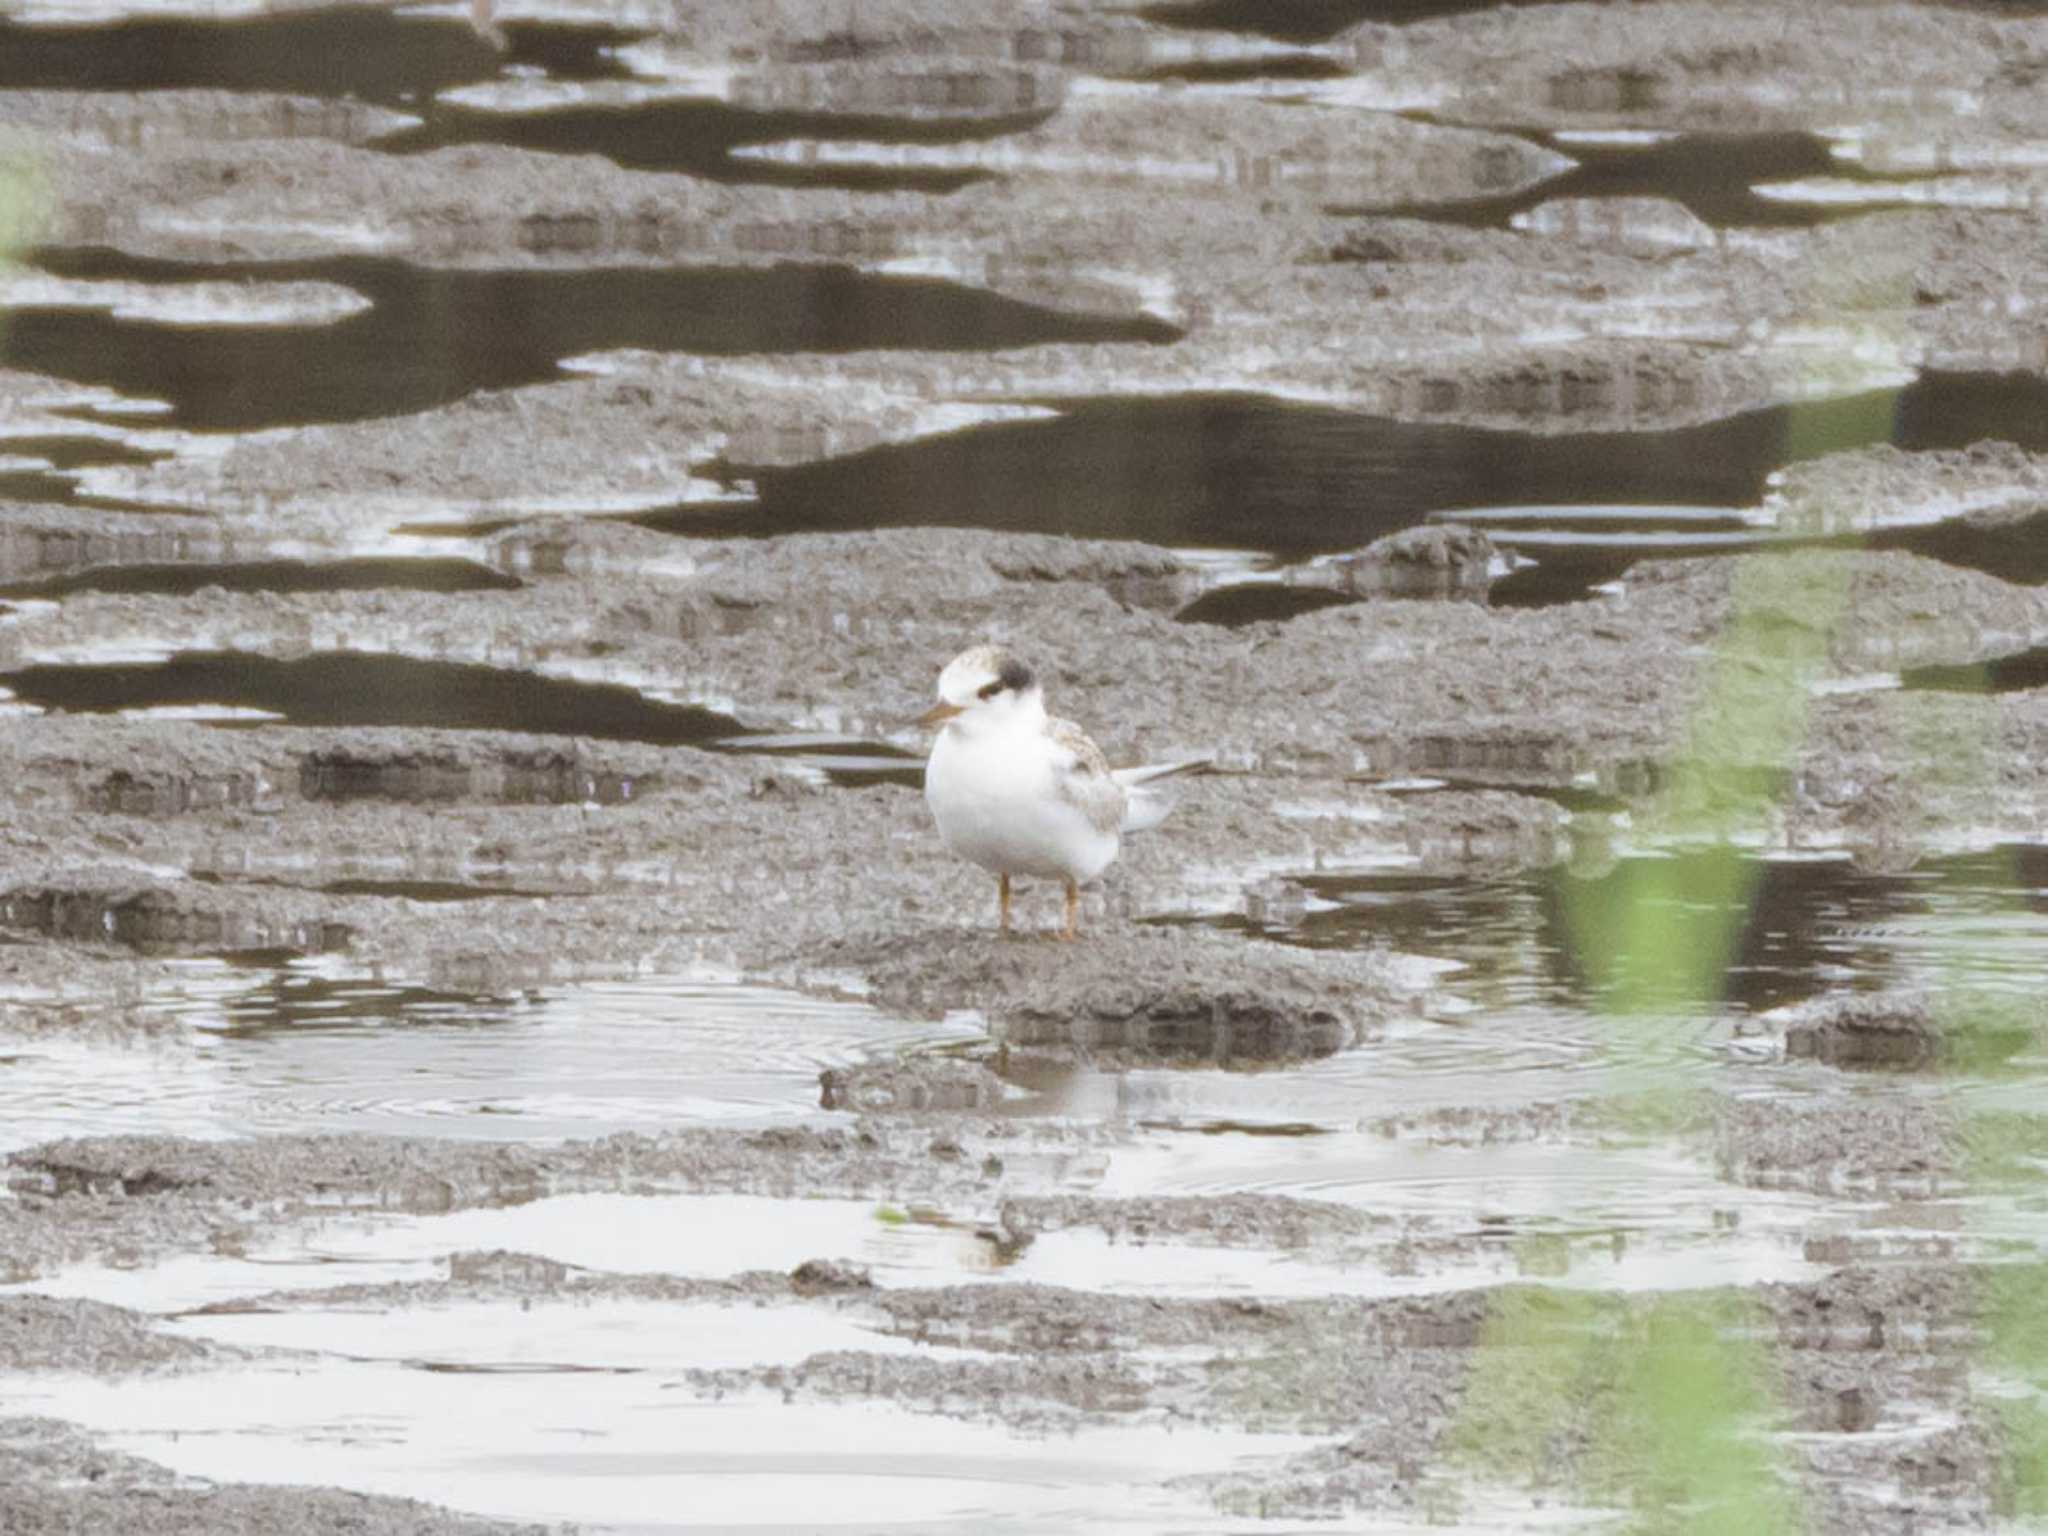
(488, 1032)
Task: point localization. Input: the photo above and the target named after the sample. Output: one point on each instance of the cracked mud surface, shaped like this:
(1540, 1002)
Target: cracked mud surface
(477, 978)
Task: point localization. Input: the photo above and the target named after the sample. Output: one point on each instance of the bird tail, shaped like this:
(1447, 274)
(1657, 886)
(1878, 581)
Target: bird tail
(1144, 805)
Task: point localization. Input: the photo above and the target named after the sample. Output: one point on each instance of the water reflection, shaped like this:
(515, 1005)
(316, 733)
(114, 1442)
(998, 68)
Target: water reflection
(367, 574)
(1714, 175)
(643, 1453)
(2014, 673)
(363, 688)
(1227, 471)
(35, 468)
(372, 52)
(293, 1050)
(1537, 941)
(1309, 21)
(841, 759)
(1292, 481)
(434, 335)
(697, 137)
(242, 690)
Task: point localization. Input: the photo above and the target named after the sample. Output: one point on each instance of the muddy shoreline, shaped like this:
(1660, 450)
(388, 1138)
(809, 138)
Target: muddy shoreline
(477, 519)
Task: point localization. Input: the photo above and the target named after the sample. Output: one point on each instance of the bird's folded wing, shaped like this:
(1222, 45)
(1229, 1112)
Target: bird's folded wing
(1145, 773)
(1083, 776)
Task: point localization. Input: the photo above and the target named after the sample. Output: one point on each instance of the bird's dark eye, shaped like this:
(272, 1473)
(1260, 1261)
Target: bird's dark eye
(989, 690)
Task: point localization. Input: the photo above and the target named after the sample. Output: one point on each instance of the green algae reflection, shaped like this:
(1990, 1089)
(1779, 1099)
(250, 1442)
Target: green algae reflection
(1660, 1407)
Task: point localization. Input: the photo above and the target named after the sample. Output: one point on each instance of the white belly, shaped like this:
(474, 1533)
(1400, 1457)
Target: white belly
(996, 804)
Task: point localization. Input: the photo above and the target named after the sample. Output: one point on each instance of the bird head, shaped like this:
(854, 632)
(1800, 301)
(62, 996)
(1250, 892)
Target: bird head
(981, 682)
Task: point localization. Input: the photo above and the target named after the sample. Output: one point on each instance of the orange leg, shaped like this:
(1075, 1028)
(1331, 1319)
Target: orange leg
(1003, 902)
(1072, 929)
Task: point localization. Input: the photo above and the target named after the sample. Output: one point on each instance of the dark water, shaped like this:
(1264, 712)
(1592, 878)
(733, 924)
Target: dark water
(1785, 929)
(348, 688)
(426, 890)
(35, 485)
(364, 575)
(1311, 21)
(2013, 550)
(374, 54)
(697, 138)
(1229, 472)
(1223, 471)
(1570, 550)
(1238, 472)
(69, 451)
(268, 1000)
(399, 890)
(1567, 567)
(432, 336)
(1713, 175)
(2015, 673)
(370, 52)
(1601, 521)
(284, 1000)
(53, 486)
(1257, 603)
(355, 688)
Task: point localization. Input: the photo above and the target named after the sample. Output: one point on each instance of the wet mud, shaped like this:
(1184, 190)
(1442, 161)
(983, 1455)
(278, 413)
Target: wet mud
(484, 495)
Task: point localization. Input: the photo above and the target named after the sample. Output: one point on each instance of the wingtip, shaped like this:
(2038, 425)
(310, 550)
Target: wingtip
(1148, 773)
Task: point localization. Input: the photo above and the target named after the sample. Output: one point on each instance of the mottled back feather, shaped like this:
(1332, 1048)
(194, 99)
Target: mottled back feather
(1086, 780)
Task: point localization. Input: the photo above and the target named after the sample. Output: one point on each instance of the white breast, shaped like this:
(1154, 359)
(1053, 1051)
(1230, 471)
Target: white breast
(997, 803)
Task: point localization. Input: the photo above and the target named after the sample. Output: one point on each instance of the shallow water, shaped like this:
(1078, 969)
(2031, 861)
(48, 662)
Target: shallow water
(366, 688)
(1715, 176)
(1645, 1218)
(597, 1410)
(430, 336)
(361, 575)
(372, 52)
(1219, 472)
(1233, 472)
(1538, 942)
(568, 1408)
(236, 690)
(634, 1453)
(1306, 21)
(296, 1050)
(37, 468)
(2014, 673)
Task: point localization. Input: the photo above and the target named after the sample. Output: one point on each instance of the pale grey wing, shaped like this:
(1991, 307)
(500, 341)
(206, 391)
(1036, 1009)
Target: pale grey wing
(1145, 773)
(1146, 802)
(1083, 776)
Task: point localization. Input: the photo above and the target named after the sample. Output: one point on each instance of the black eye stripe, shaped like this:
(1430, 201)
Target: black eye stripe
(989, 690)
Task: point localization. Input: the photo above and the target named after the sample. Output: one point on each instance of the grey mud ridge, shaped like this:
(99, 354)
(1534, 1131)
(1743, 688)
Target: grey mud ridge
(1063, 160)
